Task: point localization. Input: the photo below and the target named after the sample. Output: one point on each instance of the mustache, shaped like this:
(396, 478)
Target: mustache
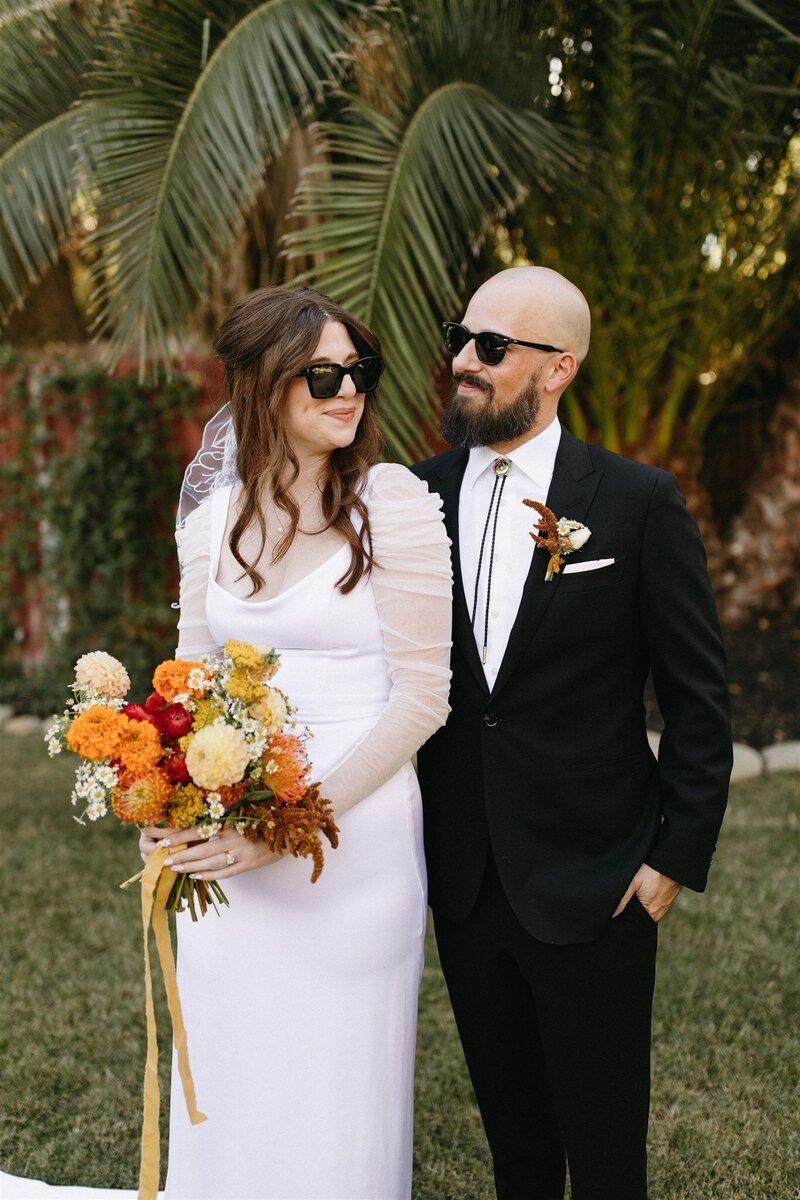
(473, 380)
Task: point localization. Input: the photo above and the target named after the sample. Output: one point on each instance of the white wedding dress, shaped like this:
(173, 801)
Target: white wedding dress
(300, 1001)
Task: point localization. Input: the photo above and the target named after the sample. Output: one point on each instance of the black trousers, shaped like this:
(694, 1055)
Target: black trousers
(557, 1042)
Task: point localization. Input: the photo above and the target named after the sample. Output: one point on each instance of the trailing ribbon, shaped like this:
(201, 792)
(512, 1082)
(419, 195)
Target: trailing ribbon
(156, 886)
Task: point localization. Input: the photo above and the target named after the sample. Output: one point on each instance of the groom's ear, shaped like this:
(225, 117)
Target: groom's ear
(560, 373)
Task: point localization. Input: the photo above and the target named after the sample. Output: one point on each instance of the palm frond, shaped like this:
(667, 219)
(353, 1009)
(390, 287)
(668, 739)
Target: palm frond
(45, 48)
(182, 145)
(410, 181)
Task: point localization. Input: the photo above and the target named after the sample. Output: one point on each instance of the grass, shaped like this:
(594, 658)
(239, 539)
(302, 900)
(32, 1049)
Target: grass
(725, 1070)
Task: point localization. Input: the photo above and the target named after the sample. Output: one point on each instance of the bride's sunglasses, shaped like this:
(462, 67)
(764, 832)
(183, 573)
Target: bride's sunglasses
(489, 347)
(325, 379)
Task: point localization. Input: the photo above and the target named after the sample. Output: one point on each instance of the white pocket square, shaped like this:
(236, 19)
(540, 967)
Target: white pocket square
(573, 568)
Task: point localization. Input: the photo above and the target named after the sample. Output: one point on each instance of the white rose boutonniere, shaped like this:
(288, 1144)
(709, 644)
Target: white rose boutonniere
(561, 536)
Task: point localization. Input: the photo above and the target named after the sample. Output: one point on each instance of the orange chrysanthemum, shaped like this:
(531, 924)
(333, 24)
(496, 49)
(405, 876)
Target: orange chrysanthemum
(143, 802)
(96, 733)
(289, 768)
(171, 678)
(140, 748)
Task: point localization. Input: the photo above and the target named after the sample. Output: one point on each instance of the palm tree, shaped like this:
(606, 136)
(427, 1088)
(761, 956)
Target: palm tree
(434, 121)
(188, 105)
(688, 248)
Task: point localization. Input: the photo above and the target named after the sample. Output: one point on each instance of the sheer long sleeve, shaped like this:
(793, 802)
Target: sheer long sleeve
(412, 583)
(194, 556)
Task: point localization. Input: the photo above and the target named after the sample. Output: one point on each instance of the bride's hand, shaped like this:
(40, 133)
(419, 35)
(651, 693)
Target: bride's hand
(219, 857)
(152, 835)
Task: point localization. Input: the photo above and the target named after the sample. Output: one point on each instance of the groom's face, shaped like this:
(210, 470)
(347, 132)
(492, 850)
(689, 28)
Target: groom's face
(492, 404)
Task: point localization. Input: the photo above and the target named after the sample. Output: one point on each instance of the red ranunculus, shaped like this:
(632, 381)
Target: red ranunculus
(137, 713)
(174, 721)
(175, 766)
(154, 703)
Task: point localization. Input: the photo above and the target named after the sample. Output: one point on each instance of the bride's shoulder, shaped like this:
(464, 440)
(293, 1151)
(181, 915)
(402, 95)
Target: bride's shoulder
(391, 481)
(400, 504)
(195, 531)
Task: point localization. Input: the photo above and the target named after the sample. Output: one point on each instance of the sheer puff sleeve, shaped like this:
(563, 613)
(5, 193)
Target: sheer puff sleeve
(412, 584)
(194, 556)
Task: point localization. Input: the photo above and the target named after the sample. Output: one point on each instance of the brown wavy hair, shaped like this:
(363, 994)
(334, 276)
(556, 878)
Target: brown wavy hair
(263, 342)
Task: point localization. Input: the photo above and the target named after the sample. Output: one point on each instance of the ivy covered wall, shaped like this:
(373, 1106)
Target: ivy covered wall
(90, 469)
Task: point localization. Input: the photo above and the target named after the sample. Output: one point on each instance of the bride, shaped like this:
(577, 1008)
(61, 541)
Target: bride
(300, 1001)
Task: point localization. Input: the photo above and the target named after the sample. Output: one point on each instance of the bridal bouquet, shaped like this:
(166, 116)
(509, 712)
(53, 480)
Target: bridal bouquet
(213, 746)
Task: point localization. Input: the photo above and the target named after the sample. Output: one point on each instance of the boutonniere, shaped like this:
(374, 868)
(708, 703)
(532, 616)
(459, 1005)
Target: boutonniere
(562, 536)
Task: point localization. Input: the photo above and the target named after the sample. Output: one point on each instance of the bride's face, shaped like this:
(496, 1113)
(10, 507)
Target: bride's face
(318, 427)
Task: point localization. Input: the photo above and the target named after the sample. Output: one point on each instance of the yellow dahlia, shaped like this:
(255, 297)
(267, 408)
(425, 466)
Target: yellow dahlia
(287, 768)
(188, 806)
(171, 678)
(144, 801)
(97, 732)
(140, 747)
(101, 672)
(217, 755)
(271, 710)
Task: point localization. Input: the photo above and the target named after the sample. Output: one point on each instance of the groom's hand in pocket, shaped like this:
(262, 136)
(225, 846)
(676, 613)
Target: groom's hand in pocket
(654, 891)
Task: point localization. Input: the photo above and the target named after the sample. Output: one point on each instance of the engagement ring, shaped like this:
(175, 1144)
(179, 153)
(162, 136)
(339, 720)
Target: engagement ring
(229, 858)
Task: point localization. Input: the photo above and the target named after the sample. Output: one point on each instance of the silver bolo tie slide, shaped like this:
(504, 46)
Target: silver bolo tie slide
(501, 467)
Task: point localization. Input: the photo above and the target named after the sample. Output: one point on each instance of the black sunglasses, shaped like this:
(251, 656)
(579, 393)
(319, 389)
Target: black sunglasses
(325, 379)
(490, 347)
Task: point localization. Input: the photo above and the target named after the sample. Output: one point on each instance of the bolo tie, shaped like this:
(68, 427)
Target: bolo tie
(501, 467)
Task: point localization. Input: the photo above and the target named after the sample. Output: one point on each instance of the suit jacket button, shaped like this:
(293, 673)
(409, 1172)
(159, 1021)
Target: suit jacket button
(490, 719)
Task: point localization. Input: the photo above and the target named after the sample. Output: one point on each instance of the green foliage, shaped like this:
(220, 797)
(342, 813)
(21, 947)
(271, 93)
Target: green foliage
(92, 487)
(687, 242)
(45, 52)
(192, 103)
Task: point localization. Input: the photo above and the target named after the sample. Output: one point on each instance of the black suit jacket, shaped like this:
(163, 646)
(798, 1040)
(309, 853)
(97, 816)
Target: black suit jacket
(553, 767)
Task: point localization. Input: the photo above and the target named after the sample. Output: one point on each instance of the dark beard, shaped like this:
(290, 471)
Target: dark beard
(469, 423)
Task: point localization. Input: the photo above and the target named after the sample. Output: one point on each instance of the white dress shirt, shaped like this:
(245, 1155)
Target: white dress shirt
(528, 478)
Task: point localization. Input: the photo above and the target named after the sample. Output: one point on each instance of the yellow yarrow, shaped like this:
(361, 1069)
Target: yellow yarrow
(185, 741)
(241, 685)
(205, 713)
(244, 655)
(188, 806)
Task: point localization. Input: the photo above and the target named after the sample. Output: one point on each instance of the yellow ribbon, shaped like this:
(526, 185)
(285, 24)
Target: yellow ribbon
(156, 886)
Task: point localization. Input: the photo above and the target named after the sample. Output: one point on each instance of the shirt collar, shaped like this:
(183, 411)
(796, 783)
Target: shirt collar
(535, 458)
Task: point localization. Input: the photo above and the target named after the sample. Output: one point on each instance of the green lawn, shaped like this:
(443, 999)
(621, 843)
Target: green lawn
(725, 1073)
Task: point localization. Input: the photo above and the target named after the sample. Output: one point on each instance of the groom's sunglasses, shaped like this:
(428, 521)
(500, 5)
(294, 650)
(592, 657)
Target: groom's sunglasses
(489, 347)
(325, 379)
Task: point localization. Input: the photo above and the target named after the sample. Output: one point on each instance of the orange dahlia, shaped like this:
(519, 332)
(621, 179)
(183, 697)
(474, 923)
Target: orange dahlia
(139, 748)
(286, 768)
(97, 732)
(171, 678)
(143, 802)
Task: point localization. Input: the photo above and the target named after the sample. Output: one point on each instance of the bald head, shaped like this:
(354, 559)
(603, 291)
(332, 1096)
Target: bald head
(536, 304)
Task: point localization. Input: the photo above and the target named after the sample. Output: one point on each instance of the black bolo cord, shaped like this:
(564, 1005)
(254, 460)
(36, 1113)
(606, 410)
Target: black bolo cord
(501, 467)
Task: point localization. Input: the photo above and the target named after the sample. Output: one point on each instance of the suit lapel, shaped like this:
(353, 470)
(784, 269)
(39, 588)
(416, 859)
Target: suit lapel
(571, 492)
(448, 483)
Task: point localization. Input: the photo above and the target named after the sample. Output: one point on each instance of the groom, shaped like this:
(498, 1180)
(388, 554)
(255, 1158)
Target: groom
(555, 841)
